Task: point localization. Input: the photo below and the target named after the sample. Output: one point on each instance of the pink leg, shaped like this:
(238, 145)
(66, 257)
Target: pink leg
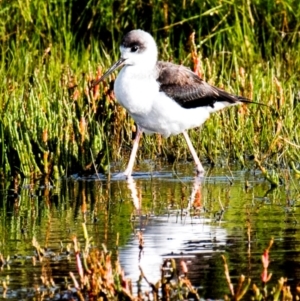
(135, 147)
(199, 167)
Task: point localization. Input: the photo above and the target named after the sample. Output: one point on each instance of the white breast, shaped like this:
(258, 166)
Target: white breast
(135, 90)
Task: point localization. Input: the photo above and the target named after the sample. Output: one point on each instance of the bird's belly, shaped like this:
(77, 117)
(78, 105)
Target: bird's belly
(168, 118)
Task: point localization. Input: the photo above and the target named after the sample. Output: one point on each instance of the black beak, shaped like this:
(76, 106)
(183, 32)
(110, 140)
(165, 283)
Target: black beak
(118, 64)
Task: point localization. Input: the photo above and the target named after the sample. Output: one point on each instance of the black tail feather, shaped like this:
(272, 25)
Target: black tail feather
(246, 100)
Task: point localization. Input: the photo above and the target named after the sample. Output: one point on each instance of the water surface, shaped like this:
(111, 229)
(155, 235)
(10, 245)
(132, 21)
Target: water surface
(179, 216)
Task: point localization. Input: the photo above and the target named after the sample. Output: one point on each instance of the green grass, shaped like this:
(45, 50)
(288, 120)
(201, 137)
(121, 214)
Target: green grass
(51, 124)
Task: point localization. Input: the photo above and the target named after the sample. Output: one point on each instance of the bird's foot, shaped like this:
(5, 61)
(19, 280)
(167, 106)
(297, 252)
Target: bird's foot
(121, 176)
(200, 171)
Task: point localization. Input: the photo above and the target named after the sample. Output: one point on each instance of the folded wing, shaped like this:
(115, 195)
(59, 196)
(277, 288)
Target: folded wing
(189, 90)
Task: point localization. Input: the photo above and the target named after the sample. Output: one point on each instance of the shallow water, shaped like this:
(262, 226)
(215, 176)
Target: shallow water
(181, 217)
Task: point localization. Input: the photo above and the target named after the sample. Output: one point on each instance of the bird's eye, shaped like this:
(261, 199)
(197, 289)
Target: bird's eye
(134, 48)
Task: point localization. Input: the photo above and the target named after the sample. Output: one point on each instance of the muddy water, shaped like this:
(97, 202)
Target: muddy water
(179, 216)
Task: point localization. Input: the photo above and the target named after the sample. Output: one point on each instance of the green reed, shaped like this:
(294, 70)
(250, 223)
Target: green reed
(52, 123)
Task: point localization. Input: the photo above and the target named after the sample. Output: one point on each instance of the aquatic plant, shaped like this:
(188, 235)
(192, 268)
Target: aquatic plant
(282, 291)
(99, 277)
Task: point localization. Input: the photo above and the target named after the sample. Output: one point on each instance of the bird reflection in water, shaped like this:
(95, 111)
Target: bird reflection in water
(140, 220)
(178, 228)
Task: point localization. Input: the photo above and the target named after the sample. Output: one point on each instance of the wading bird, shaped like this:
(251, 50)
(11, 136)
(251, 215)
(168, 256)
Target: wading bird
(163, 97)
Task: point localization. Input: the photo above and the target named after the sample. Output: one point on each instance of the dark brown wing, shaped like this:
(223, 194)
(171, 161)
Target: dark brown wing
(188, 89)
